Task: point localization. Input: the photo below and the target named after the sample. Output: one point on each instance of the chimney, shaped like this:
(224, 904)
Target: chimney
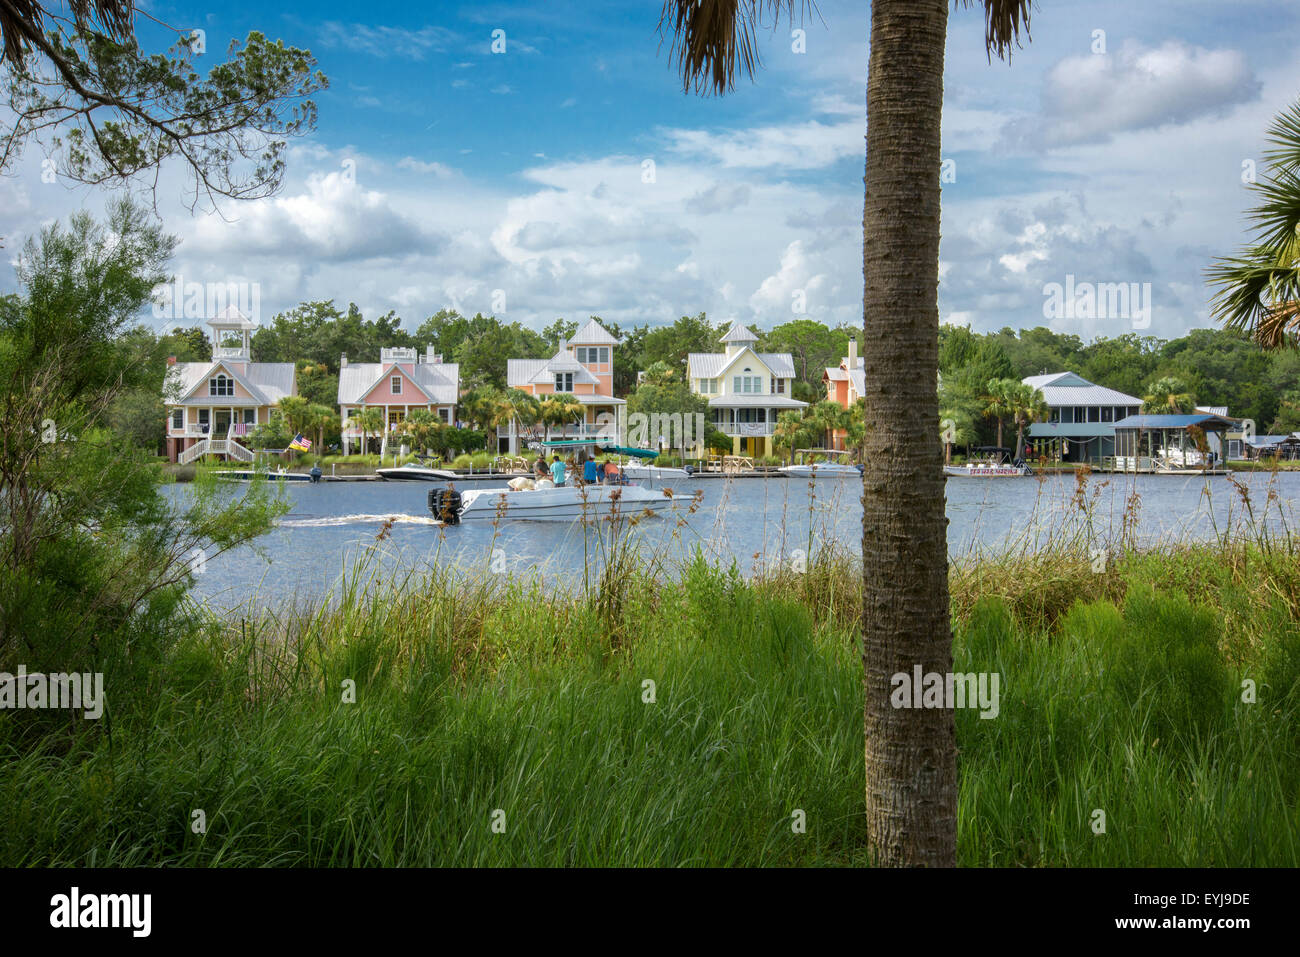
(853, 352)
(343, 362)
(171, 360)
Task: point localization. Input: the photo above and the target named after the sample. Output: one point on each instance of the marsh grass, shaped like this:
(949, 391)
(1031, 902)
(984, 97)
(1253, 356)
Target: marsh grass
(1121, 691)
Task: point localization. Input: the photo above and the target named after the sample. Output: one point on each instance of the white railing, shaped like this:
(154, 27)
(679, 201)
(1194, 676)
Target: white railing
(746, 428)
(229, 352)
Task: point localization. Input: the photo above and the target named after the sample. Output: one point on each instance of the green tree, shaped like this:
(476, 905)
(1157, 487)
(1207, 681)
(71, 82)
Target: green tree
(1168, 396)
(109, 113)
(95, 562)
(811, 345)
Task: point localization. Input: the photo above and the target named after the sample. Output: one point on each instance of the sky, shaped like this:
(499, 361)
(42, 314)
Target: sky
(570, 175)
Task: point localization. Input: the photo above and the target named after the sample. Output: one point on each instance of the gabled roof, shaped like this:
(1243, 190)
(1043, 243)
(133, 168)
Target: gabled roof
(593, 333)
(440, 381)
(521, 372)
(267, 382)
(1066, 388)
(712, 365)
(739, 333)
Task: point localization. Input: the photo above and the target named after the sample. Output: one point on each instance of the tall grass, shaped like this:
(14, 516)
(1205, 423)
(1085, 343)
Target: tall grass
(692, 716)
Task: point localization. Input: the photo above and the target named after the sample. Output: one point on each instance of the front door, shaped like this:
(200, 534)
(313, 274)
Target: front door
(222, 420)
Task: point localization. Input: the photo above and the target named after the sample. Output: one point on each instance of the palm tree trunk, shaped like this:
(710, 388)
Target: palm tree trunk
(911, 766)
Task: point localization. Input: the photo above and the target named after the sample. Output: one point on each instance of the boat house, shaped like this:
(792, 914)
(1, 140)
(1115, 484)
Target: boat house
(1159, 443)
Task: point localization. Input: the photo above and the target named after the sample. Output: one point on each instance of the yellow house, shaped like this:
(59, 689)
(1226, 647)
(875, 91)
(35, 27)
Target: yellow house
(212, 406)
(746, 390)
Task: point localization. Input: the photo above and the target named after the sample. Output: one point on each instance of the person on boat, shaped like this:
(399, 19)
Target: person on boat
(611, 472)
(539, 468)
(557, 471)
(590, 472)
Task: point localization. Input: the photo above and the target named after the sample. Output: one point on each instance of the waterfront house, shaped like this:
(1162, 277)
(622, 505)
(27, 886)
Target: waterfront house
(1081, 426)
(401, 381)
(845, 384)
(746, 390)
(583, 367)
(212, 406)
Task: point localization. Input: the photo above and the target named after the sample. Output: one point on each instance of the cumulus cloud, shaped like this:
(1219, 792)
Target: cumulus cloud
(1093, 97)
(720, 198)
(776, 294)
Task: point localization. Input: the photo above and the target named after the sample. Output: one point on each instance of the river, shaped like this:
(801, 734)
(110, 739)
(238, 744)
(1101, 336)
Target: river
(331, 525)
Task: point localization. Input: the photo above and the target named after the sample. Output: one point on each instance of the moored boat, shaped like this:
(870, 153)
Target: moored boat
(995, 462)
(412, 472)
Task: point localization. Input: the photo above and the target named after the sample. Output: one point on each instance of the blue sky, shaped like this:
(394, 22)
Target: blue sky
(442, 173)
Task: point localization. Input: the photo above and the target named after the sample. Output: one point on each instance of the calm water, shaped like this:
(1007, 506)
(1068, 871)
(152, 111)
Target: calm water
(753, 521)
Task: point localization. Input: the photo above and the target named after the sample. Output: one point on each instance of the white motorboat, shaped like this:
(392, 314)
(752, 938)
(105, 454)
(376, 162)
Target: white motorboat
(654, 473)
(413, 472)
(566, 503)
(822, 470)
(995, 462)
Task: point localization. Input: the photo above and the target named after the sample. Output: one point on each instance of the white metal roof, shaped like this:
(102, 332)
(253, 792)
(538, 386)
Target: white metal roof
(739, 333)
(710, 365)
(268, 382)
(1066, 388)
(593, 333)
(440, 381)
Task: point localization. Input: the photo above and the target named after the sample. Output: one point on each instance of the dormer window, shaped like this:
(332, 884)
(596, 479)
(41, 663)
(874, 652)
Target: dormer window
(221, 385)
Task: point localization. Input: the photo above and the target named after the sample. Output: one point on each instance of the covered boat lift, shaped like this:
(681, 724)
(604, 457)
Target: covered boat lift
(1165, 444)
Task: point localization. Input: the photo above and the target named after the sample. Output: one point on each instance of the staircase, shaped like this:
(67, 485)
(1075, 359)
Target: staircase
(227, 447)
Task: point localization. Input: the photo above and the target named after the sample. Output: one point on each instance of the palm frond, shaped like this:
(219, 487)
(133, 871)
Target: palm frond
(713, 39)
(1284, 139)
(1003, 21)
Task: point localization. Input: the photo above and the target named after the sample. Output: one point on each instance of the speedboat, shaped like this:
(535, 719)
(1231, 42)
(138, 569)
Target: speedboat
(566, 503)
(822, 470)
(413, 472)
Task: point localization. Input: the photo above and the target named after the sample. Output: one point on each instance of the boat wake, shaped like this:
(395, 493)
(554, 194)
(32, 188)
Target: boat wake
(328, 521)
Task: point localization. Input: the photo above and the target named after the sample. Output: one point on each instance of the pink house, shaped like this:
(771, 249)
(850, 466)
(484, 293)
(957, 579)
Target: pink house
(401, 381)
(212, 406)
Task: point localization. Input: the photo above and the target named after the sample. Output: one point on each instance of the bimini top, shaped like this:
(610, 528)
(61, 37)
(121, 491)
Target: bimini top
(1200, 419)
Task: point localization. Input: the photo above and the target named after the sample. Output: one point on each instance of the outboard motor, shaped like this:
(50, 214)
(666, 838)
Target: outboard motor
(315, 473)
(444, 504)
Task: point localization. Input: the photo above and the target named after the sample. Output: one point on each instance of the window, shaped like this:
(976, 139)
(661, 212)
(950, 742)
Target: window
(778, 386)
(444, 414)
(581, 353)
(203, 420)
(396, 385)
(221, 385)
(1067, 414)
(178, 419)
(1108, 413)
(1094, 413)
(1055, 416)
(250, 417)
(564, 382)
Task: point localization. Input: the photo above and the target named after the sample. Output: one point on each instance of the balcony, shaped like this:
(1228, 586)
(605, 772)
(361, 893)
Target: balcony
(229, 352)
(746, 428)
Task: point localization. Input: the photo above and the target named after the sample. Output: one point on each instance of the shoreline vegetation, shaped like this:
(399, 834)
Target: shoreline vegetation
(687, 715)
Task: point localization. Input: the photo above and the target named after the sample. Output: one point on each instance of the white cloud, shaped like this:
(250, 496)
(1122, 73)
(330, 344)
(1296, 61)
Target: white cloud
(799, 146)
(1093, 97)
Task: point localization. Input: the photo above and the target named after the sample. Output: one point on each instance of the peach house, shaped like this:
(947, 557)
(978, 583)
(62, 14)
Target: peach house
(845, 384)
(584, 368)
(400, 382)
(212, 406)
